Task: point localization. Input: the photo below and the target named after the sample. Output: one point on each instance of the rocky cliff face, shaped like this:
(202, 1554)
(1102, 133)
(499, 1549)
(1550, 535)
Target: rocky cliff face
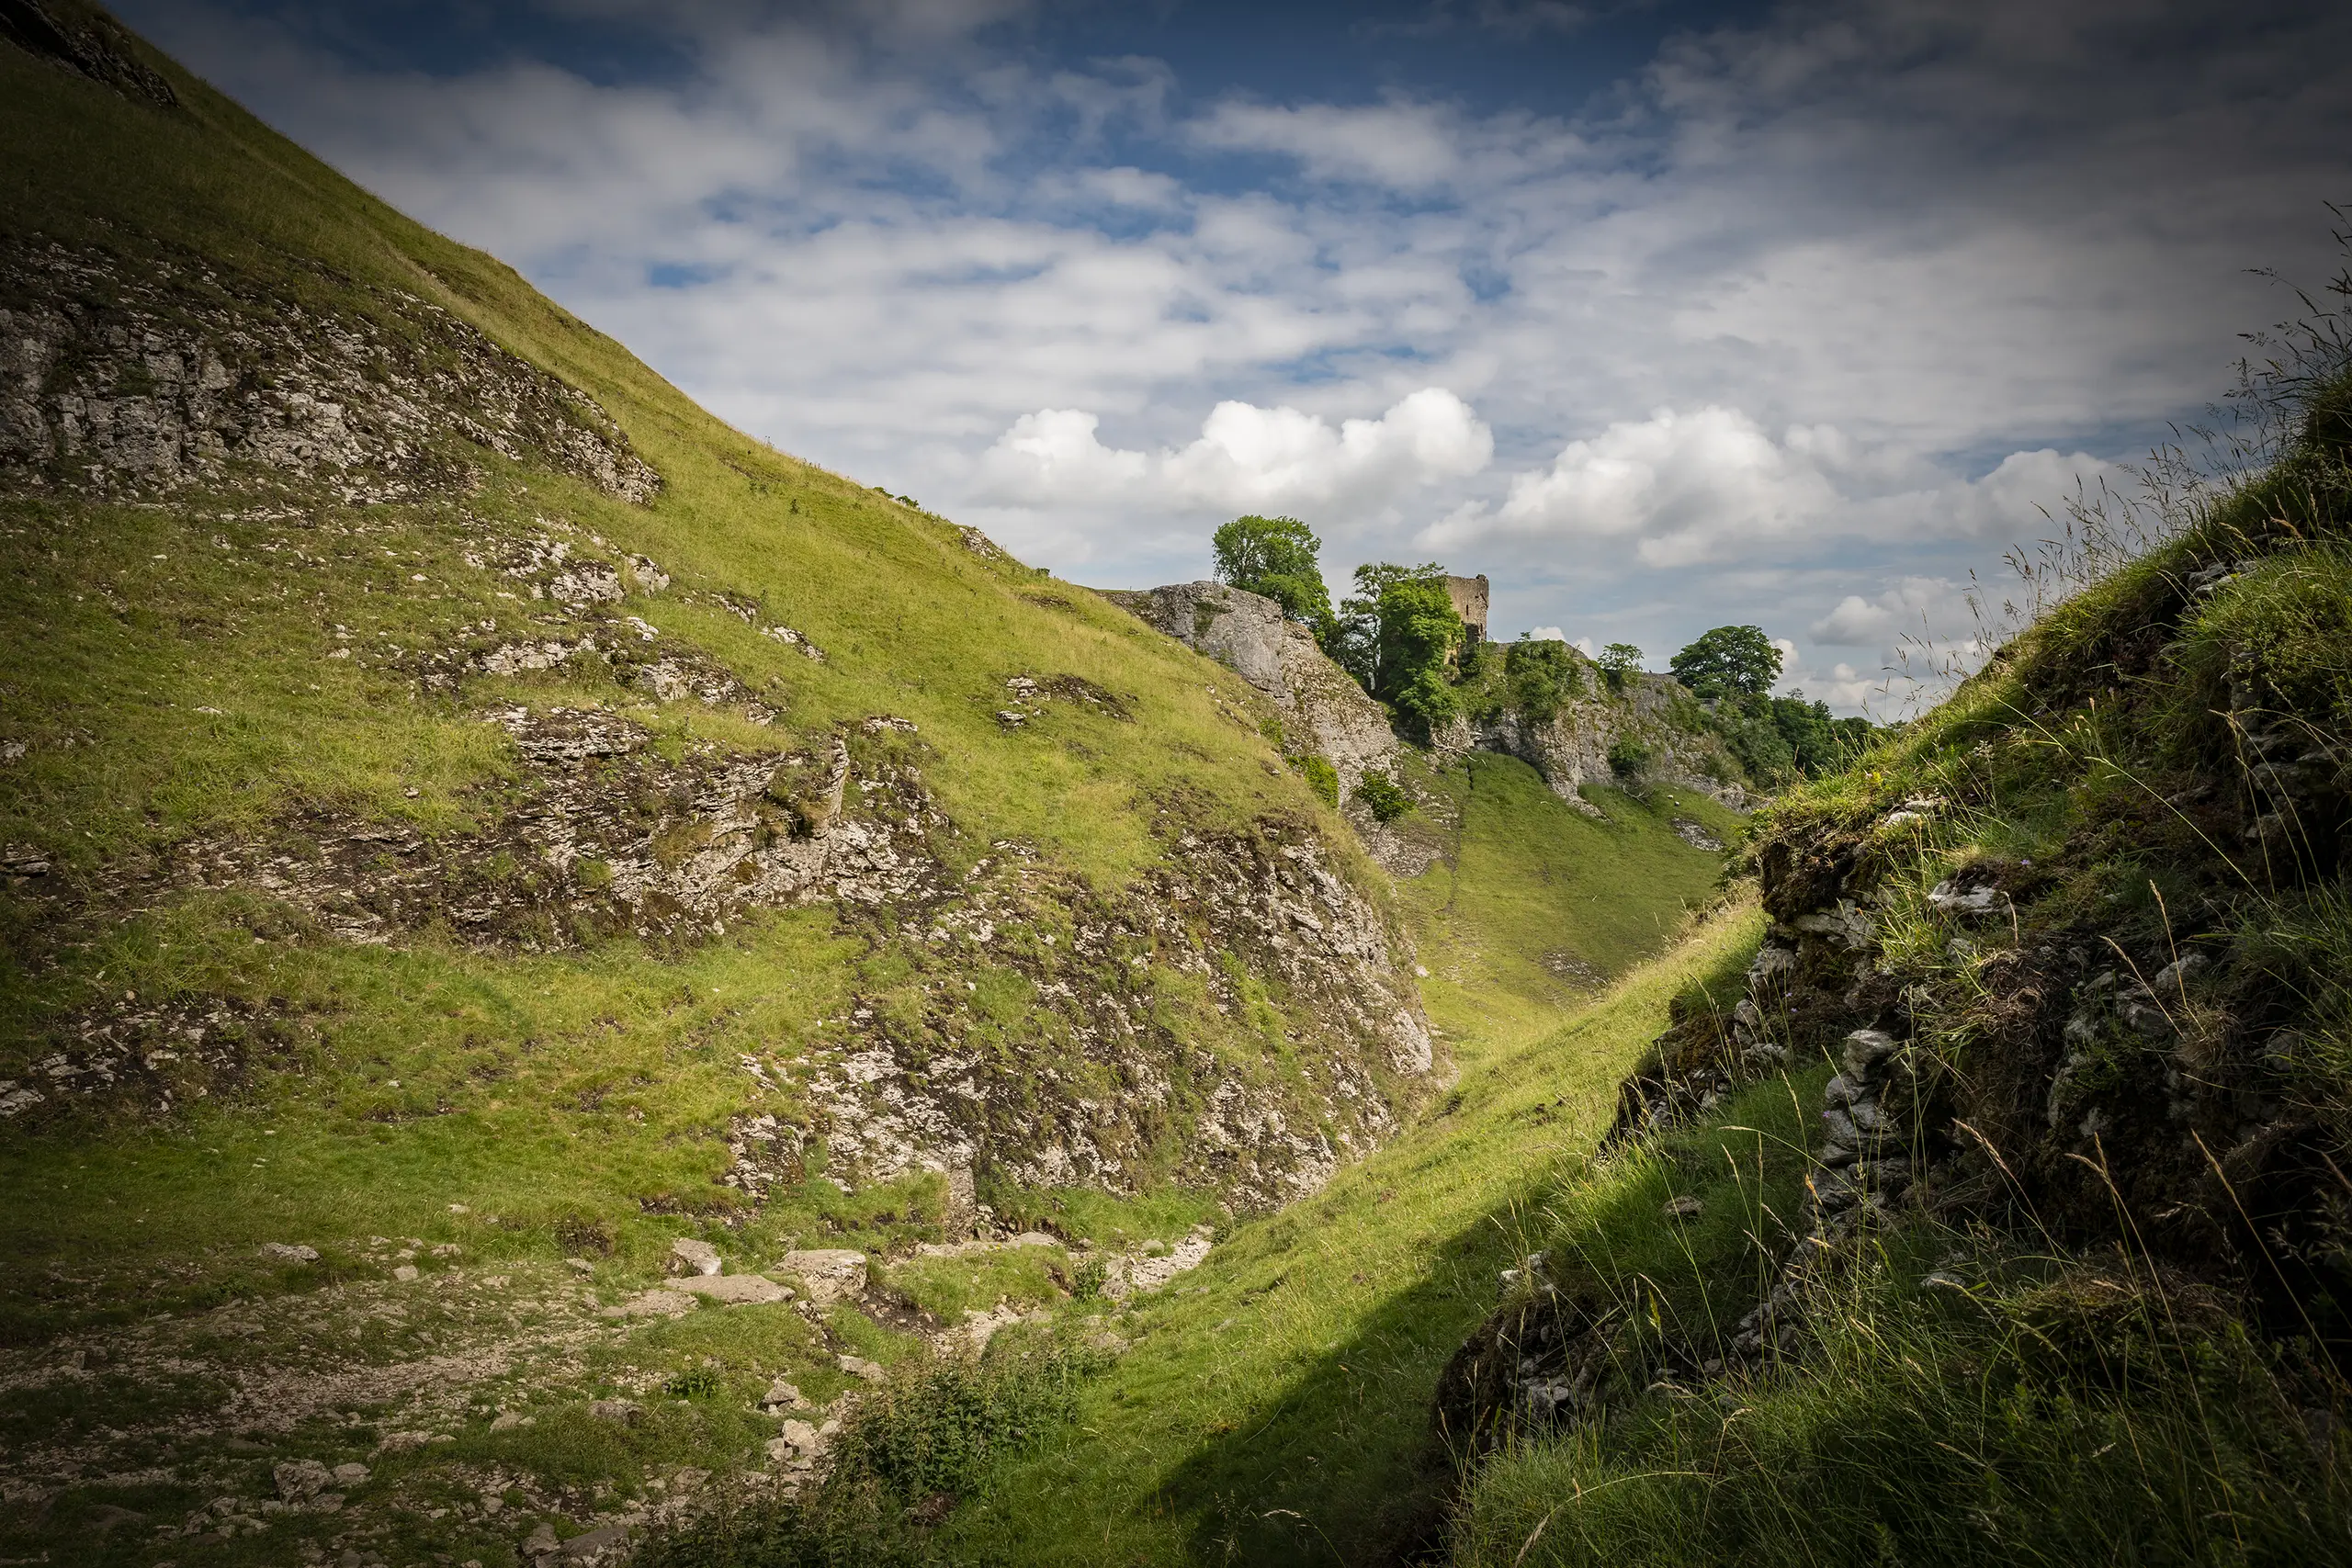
(1323, 708)
(152, 379)
(1326, 711)
(2073, 990)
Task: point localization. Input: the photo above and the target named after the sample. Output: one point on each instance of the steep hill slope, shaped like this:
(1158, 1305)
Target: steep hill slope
(486, 846)
(463, 808)
(356, 592)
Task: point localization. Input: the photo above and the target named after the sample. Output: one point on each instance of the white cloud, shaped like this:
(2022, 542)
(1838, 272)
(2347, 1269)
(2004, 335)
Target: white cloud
(1405, 145)
(1546, 633)
(1246, 458)
(1676, 488)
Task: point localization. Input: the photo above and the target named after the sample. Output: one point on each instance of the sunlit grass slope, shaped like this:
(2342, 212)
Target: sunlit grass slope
(1533, 905)
(170, 670)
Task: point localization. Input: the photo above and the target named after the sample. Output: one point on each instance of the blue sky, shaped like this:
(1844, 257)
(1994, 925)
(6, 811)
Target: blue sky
(1663, 315)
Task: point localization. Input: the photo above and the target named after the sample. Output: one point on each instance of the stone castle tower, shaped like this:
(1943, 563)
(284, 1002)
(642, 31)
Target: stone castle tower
(1469, 596)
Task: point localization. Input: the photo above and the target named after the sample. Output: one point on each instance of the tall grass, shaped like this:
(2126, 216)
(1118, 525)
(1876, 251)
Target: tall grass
(1955, 1405)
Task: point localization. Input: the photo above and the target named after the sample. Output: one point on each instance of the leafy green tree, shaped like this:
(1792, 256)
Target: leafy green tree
(1727, 659)
(1396, 634)
(1354, 643)
(1618, 660)
(1780, 739)
(1277, 557)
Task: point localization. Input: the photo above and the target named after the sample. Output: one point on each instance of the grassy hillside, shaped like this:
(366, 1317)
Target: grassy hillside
(272, 663)
(2059, 1273)
(472, 822)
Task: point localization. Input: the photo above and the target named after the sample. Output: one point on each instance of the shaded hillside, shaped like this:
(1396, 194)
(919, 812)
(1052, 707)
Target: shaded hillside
(2060, 977)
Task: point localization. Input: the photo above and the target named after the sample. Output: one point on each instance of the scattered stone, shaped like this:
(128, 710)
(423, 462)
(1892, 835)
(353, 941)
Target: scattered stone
(287, 1252)
(1685, 1208)
(783, 1394)
(620, 1412)
(698, 1256)
(604, 1543)
(653, 1303)
(507, 1420)
(829, 1273)
(1953, 900)
(1695, 834)
(736, 1288)
(858, 1367)
(299, 1479)
(405, 1273)
(1129, 1276)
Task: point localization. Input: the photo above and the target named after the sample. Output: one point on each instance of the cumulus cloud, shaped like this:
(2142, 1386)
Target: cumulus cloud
(1674, 487)
(1679, 490)
(1246, 458)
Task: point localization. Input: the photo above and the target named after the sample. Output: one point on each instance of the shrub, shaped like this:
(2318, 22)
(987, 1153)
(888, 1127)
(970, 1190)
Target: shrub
(1322, 777)
(1727, 659)
(1276, 557)
(1618, 660)
(936, 1431)
(1382, 797)
(1540, 676)
(695, 1382)
(1629, 760)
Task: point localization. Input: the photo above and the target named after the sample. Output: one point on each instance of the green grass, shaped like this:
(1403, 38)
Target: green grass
(399, 1081)
(1533, 905)
(174, 673)
(2044, 1410)
(1274, 1405)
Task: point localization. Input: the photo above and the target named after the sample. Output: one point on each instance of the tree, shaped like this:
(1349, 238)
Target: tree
(1277, 557)
(1396, 634)
(1355, 642)
(1618, 660)
(1727, 659)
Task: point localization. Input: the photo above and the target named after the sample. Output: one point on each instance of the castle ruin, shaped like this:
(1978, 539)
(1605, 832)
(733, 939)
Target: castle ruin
(1469, 596)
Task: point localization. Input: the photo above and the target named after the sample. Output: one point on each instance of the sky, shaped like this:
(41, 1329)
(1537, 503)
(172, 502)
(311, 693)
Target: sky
(1663, 314)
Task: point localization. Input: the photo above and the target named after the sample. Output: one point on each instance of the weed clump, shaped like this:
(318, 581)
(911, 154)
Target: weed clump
(903, 1459)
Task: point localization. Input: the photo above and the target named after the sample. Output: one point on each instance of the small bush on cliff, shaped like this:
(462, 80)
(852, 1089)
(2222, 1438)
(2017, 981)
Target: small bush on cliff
(1617, 661)
(1383, 798)
(1540, 676)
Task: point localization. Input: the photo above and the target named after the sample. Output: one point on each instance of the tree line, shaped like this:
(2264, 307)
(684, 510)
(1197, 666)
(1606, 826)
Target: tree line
(1400, 636)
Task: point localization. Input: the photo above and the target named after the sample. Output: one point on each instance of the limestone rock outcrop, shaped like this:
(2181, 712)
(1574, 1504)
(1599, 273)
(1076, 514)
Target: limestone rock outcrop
(1323, 708)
